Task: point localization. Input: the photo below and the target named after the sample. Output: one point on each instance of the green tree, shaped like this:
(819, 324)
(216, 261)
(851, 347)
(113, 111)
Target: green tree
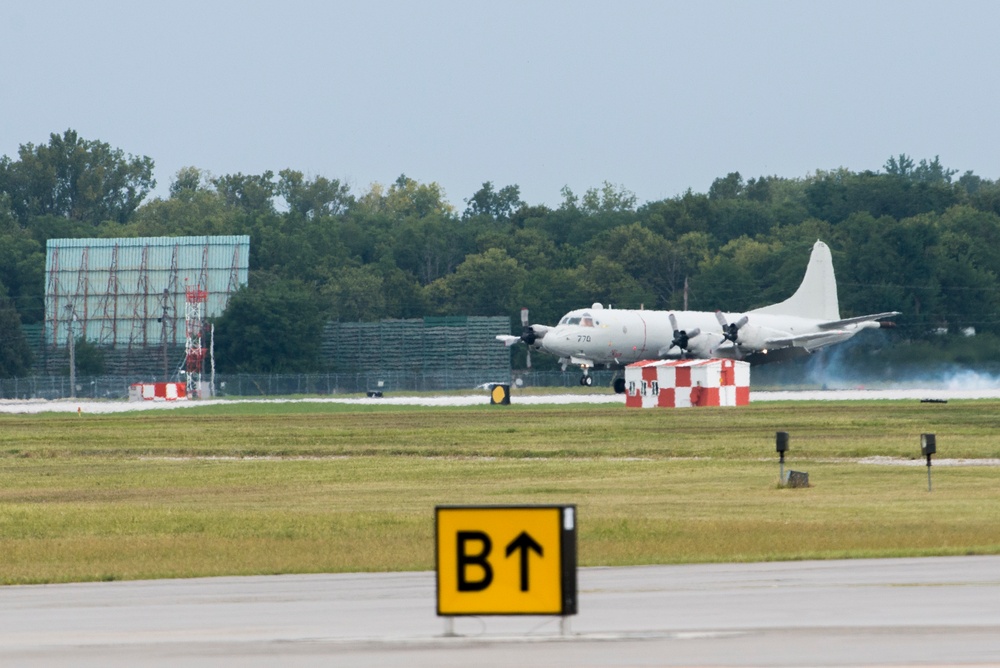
(316, 198)
(89, 358)
(194, 208)
(22, 269)
(933, 172)
(902, 167)
(356, 294)
(903, 191)
(410, 224)
(403, 295)
(577, 220)
(729, 187)
(187, 182)
(488, 283)
(429, 247)
(971, 234)
(606, 281)
(640, 252)
(531, 247)
(734, 279)
(986, 196)
(758, 190)
(74, 178)
(883, 265)
(271, 325)
(497, 205)
(251, 193)
(15, 355)
(610, 198)
(551, 293)
(674, 217)
(405, 197)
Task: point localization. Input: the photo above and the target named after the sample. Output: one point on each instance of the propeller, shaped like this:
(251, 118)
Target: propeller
(528, 335)
(682, 338)
(730, 330)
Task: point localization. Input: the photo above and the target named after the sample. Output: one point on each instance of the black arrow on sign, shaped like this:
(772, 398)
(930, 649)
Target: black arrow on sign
(524, 543)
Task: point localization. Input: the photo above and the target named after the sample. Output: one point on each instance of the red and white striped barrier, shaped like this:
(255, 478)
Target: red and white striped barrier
(157, 391)
(686, 383)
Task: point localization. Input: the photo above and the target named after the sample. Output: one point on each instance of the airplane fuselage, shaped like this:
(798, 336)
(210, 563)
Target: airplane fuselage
(616, 337)
(806, 321)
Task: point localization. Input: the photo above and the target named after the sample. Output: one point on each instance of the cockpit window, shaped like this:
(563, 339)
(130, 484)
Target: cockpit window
(564, 320)
(586, 321)
(573, 321)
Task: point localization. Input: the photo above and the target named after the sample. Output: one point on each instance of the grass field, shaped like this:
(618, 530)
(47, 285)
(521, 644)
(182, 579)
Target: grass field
(310, 487)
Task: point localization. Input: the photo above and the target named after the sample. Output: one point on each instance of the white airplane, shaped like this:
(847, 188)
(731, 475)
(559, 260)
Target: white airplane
(803, 323)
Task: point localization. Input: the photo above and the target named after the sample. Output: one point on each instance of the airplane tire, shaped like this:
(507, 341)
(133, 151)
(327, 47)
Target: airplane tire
(587, 380)
(619, 386)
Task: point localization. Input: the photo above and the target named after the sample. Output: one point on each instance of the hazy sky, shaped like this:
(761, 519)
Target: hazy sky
(657, 97)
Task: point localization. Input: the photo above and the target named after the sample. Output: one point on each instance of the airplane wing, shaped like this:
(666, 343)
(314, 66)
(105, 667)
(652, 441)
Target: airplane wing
(813, 340)
(510, 339)
(837, 324)
(833, 332)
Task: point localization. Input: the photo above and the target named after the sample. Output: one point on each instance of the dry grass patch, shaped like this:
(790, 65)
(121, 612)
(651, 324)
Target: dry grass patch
(181, 493)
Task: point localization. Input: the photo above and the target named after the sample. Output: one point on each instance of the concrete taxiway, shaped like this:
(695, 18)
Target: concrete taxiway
(931, 611)
(85, 406)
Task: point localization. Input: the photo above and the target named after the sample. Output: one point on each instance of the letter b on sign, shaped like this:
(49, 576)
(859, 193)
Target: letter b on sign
(476, 562)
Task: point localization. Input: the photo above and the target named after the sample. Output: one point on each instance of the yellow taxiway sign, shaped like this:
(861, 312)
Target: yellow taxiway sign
(506, 560)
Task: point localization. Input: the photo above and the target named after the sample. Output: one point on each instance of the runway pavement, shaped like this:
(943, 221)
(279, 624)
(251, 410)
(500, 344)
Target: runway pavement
(932, 611)
(606, 396)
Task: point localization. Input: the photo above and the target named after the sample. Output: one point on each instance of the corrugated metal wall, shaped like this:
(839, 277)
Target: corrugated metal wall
(131, 292)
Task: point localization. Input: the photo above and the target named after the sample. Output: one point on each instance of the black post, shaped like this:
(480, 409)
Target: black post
(781, 445)
(928, 446)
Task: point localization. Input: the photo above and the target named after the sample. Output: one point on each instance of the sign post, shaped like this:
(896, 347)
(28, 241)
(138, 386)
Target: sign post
(781, 445)
(928, 446)
(506, 560)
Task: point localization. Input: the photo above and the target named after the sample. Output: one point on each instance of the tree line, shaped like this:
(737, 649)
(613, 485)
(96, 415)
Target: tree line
(913, 236)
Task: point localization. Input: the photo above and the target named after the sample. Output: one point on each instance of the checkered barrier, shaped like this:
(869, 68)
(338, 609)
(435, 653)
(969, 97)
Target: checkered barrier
(686, 383)
(157, 391)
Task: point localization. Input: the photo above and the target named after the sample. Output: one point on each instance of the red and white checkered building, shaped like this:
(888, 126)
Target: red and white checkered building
(157, 391)
(685, 383)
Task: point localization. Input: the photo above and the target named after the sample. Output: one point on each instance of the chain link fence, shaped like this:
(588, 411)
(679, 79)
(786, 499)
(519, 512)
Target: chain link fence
(321, 384)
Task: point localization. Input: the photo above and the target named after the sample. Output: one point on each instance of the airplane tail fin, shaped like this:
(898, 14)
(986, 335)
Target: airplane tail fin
(817, 295)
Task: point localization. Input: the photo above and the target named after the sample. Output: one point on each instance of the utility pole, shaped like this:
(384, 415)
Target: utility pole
(72, 352)
(163, 336)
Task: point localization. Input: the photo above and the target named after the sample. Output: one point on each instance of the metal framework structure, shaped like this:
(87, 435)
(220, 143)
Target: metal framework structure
(129, 295)
(194, 349)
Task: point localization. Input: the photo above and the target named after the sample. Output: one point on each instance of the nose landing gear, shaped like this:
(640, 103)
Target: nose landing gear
(586, 380)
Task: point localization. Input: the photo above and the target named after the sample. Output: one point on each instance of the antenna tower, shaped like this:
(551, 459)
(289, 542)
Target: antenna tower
(194, 350)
